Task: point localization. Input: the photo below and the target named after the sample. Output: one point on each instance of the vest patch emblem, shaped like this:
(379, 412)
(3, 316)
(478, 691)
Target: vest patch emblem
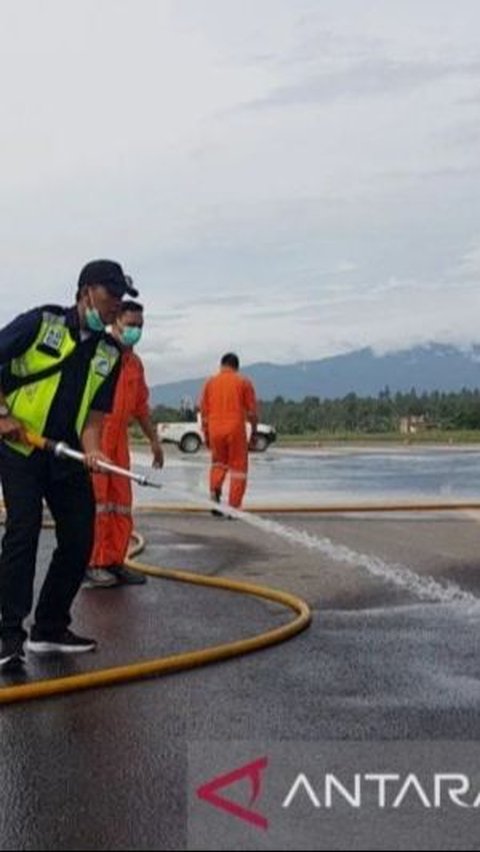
(54, 338)
(102, 367)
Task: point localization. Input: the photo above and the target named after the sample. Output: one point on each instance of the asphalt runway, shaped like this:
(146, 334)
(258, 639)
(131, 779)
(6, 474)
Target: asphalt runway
(387, 658)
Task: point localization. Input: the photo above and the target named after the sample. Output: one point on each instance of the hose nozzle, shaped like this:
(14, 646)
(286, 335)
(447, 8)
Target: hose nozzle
(62, 451)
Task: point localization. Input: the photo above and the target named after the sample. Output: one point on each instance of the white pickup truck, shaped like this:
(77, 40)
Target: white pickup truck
(189, 436)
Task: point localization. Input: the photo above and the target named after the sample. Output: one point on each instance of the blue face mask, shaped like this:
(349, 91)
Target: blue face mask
(94, 320)
(131, 335)
(92, 316)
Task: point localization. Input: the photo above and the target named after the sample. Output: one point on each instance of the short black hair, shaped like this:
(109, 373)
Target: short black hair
(230, 360)
(135, 307)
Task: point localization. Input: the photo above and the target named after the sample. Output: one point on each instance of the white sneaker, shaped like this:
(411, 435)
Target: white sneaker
(99, 578)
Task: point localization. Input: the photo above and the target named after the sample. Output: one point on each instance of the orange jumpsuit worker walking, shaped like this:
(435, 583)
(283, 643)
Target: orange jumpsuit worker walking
(228, 402)
(113, 494)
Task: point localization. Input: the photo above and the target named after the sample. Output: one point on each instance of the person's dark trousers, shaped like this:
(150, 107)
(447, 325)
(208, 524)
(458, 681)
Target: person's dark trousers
(24, 482)
(72, 504)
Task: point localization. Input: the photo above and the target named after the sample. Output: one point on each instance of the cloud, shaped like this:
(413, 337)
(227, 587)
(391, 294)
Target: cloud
(369, 78)
(452, 173)
(378, 315)
(469, 266)
(227, 301)
(346, 217)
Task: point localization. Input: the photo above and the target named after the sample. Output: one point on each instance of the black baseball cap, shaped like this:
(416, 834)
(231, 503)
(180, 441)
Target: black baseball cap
(110, 274)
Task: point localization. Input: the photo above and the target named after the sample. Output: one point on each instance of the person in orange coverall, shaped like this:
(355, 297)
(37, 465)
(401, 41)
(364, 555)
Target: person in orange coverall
(113, 494)
(228, 402)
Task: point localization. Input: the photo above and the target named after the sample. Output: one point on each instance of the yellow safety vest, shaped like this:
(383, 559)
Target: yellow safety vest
(31, 403)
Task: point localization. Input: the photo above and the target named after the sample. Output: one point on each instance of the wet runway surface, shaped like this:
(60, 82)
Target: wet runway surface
(307, 475)
(387, 657)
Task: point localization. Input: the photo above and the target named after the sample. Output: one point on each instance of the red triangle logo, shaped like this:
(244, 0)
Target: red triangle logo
(253, 772)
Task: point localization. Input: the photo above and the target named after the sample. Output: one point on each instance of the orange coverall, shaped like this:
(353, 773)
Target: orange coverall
(228, 401)
(113, 494)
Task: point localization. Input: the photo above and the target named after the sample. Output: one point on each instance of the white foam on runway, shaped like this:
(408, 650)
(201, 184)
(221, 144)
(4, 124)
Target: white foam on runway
(425, 588)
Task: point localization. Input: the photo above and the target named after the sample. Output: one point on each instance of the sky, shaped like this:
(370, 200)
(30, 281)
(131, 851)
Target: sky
(287, 179)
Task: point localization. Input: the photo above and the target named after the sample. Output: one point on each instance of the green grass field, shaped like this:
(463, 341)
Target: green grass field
(433, 436)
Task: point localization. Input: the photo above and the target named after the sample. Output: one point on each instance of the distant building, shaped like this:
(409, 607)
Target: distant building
(415, 423)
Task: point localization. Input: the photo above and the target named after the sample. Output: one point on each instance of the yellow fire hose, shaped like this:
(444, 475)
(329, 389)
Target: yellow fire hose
(176, 662)
(204, 656)
(327, 509)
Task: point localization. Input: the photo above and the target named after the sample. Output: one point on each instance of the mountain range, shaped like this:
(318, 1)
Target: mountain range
(435, 366)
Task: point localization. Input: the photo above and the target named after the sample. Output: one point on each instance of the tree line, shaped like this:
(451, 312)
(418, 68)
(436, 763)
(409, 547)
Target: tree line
(352, 413)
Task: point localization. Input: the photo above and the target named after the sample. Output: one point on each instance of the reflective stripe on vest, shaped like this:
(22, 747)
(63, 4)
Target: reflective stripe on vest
(31, 404)
(113, 509)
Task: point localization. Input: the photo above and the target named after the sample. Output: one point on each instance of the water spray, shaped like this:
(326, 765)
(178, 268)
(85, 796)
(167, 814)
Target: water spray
(426, 588)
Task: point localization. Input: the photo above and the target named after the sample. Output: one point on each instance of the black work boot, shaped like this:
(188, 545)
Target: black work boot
(12, 655)
(66, 642)
(216, 496)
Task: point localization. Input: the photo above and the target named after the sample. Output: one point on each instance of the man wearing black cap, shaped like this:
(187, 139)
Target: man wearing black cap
(58, 373)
